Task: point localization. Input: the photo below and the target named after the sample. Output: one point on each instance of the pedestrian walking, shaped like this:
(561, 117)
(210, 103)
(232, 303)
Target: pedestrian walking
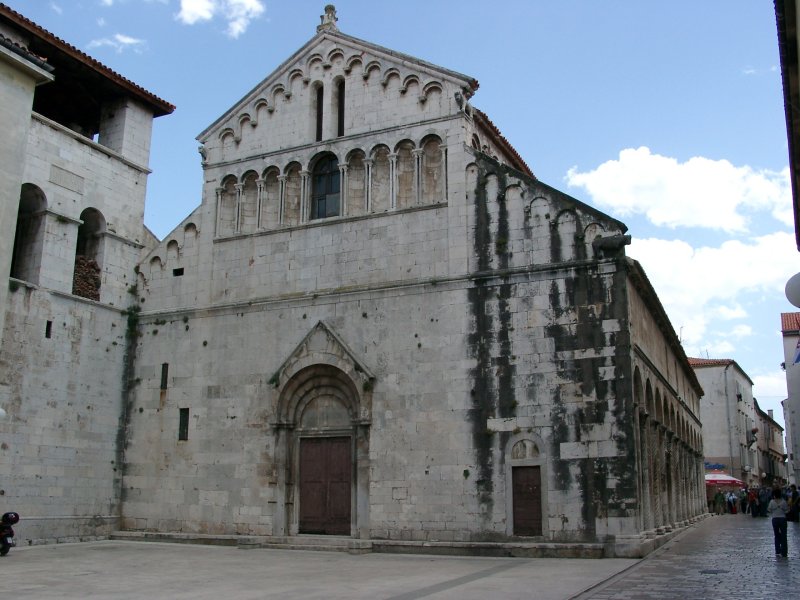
(752, 498)
(777, 509)
(794, 504)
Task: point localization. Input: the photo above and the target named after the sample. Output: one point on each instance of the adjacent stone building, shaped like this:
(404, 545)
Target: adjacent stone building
(739, 438)
(379, 324)
(790, 330)
(730, 423)
(74, 172)
(771, 454)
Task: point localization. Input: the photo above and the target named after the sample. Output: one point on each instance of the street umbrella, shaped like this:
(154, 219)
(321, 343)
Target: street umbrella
(722, 479)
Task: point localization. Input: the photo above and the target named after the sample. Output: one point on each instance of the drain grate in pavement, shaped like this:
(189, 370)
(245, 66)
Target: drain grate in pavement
(713, 571)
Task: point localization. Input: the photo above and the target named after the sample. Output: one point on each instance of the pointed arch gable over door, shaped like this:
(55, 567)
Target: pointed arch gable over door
(322, 438)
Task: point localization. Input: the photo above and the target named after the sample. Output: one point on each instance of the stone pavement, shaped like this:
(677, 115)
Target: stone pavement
(155, 570)
(727, 556)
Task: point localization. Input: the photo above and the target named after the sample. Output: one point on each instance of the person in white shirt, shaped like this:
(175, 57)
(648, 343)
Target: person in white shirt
(777, 509)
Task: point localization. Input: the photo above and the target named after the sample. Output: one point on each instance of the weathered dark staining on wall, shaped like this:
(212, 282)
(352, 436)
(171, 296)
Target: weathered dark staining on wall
(490, 343)
(589, 300)
(479, 343)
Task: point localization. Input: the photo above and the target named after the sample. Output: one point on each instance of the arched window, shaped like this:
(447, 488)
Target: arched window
(318, 113)
(325, 188)
(340, 108)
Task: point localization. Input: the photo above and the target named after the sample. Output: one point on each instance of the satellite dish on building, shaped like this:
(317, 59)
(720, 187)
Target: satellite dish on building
(793, 290)
(2, 414)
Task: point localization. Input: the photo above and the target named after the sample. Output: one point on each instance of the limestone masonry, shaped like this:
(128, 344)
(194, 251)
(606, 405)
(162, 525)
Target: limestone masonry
(377, 323)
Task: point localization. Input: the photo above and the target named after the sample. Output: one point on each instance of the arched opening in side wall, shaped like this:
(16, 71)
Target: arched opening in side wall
(26, 255)
(89, 249)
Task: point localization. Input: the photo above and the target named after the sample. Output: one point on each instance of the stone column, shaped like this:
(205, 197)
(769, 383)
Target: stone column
(281, 198)
(237, 228)
(368, 162)
(219, 191)
(260, 193)
(392, 181)
(418, 153)
(669, 471)
(655, 472)
(305, 194)
(647, 516)
(343, 189)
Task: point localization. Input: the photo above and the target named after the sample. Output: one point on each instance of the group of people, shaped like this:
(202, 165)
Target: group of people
(754, 501)
(781, 504)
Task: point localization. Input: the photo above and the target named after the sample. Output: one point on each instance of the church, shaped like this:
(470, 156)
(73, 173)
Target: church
(378, 327)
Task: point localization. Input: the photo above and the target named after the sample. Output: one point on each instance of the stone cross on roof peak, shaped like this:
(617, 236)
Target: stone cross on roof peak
(328, 20)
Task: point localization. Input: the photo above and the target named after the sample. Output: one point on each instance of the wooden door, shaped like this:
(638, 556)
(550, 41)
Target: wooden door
(527, 500)
(325, 482)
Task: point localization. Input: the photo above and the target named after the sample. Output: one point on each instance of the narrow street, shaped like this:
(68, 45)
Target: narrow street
(726, 556)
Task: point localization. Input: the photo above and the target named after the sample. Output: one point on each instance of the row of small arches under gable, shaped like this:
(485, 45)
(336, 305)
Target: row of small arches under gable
(342, 94)
(328, 185)
(572, 232)
(174, 249)
(355, 64)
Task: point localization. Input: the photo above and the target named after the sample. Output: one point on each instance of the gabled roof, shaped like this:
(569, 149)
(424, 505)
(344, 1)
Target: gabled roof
(468, 84)
(699, 363)
(645, 288)
(499, 139)
(65, 57)
(790, 322)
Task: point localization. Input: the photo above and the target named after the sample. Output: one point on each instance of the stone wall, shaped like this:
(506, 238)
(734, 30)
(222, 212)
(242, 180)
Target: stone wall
(61, 372)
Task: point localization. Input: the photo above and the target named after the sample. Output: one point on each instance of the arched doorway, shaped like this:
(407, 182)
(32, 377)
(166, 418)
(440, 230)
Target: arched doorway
(526, 486)
(322, 454)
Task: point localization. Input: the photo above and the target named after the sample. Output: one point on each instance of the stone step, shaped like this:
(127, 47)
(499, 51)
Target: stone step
(356, 546)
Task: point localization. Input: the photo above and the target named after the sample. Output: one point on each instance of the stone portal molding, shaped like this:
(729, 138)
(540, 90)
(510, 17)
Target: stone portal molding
(323, 347)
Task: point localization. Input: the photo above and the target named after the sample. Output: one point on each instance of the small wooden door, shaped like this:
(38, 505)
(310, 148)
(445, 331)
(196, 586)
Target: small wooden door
(325, 481)
(527, 500)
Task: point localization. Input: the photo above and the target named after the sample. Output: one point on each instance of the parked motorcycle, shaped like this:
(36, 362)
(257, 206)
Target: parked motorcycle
(6, 532)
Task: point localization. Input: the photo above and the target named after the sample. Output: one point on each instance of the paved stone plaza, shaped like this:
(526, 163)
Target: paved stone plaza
(723, 557)
(728, 556)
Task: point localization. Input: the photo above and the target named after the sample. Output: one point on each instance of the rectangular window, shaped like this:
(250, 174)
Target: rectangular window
(177, 272)
(48, 330)
(164, 375)
(183, 424)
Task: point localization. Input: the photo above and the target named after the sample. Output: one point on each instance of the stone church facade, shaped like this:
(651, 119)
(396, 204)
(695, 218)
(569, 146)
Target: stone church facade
(378, 324)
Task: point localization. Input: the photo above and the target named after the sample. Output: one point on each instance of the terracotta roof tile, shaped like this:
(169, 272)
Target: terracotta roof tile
(162, 106)
(709, 362)
(790, 321)
(501, 141)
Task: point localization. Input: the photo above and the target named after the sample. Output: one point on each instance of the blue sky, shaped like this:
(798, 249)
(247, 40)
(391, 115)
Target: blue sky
(668, 116)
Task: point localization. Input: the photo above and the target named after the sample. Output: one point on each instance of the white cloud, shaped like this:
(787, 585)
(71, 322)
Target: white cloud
(237, 13)
(107, 2)
(56, 8)
(120, 42)
(101, 22)
(700, 192)
(699, 286)
(770, 385)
